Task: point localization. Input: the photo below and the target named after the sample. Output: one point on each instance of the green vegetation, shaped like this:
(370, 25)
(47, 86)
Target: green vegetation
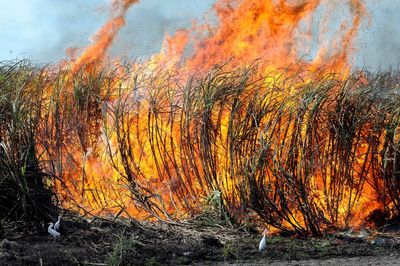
(122, 252)
(24, 194)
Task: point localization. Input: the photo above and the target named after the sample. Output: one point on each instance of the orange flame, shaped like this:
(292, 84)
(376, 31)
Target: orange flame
(268, 30)
(248, 30)
(94, 54)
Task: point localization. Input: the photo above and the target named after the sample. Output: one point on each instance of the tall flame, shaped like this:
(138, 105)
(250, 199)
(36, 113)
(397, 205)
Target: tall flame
(268, 30)
(246, 31)
(276, 31)
(103, 39)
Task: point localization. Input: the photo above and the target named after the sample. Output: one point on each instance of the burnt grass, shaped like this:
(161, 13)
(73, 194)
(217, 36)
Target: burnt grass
(122, 242)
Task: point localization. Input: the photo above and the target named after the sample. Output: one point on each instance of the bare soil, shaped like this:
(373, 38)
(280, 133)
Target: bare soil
(100, 242)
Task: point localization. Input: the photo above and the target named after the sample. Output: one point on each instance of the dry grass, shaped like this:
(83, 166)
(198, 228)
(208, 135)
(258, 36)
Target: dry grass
(303, 151)
(24, 194)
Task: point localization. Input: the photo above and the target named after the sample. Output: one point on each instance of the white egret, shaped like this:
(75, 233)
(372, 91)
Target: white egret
(53, 232)
(263, 241)
(57, 224)
(363, 233)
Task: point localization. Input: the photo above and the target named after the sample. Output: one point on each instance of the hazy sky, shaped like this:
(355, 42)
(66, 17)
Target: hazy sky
(42, 30)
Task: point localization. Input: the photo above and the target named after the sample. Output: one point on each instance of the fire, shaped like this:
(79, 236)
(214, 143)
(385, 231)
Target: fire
(270, 31)
(94, 54)
(156, 152)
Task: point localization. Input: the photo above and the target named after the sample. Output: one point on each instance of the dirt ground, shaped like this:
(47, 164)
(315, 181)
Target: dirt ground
(352, 261)
(104, 242)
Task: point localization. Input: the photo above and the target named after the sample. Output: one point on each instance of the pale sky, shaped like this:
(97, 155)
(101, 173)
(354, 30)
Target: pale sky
(42, 30)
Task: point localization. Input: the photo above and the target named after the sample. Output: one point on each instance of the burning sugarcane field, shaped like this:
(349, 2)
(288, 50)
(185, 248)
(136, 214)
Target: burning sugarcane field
(223, 132)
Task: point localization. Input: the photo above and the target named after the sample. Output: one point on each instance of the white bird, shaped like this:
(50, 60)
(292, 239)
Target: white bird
(57, 224)
(53, 232)
(363, 233)
(263, 241)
